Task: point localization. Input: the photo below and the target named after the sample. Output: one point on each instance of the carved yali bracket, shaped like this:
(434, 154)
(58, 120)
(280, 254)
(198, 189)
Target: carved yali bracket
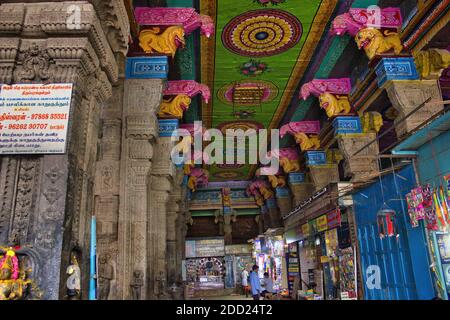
(357, 19)
(332, 93)
(187, 87)
(318, 87)
(185, 17)
(375, 30)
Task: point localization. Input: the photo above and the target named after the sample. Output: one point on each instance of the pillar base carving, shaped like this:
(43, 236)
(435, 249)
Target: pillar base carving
(406, 95)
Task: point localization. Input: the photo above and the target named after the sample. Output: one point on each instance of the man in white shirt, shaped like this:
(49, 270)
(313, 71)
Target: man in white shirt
(244, 278)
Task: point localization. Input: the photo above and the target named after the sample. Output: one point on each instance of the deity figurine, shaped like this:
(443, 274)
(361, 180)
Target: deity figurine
(13, 282)
(105, 276)
(73, 282)
(136, 284)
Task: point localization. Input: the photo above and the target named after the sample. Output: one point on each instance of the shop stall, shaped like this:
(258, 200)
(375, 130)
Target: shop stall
(205, 263)
(268, 254)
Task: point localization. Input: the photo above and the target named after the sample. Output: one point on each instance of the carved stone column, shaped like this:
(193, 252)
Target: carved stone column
(162, 183)
(300, 188)
(142, 96)
(399, 77)
(284, 200)
(322, 169)
(273, 213)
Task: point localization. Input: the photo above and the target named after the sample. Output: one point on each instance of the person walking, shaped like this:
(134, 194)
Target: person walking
(244, 277)
(254, 283)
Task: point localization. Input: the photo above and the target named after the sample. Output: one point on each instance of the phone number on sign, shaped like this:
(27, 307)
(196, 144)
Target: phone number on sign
(39, 116)
(15, 126)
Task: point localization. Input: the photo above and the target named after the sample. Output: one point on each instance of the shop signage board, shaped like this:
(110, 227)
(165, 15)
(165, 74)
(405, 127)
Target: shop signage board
(305, 230)
(34, 118)
(321, 223)
(334, 218)
(205, 248)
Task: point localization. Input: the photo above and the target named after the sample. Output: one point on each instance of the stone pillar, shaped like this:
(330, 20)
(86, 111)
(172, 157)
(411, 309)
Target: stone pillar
(284, 200)
(162, 183)
(142, 96)
(273, 213)
(322, 170)
(406, 92)
(300, 188)
(53, 193)
(351, 139)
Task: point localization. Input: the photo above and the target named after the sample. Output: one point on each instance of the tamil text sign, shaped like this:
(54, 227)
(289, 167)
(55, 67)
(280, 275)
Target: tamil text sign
(34, 118)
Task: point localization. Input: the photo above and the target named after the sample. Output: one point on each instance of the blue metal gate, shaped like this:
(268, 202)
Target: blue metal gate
(400, 263)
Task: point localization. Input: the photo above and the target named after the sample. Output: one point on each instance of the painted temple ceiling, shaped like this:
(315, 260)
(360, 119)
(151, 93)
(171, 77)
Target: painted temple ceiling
(255, 62)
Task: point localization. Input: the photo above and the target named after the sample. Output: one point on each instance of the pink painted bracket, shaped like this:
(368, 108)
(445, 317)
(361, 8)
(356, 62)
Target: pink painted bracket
(188, 18)
(311, 127)
(187, 87)
(358, 18)
(289, 153)
(318, 86)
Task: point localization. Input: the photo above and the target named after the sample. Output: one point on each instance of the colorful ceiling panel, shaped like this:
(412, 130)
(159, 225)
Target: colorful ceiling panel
(253, 66)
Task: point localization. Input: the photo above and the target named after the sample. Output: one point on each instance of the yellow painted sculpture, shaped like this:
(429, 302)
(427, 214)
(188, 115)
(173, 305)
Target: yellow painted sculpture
(307, 143)
(174, 107)
(376, 43)
(266, 192)
(430, 63)
(334, 156)
(289, 165)
(334, 105)
(277, 181)
(371, 121)
(259, 200)
(13, 282)
(166, 42)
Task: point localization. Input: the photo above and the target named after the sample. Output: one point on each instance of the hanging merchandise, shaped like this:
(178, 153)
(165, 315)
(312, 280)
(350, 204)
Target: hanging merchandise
(386, 223)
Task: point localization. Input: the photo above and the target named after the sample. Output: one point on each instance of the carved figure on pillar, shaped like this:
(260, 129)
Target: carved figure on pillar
(198, 176)
(375, 31)
(105, 276)
(289, 159)
(187, 87)
(304, 132)
(166, 42)
(136, 284)
(174, 107)
(371, 121)
(430, 63)
(332, 94)
(74, 280)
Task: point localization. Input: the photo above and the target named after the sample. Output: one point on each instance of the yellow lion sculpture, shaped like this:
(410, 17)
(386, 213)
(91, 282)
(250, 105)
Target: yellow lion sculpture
(334, 105)
(167, 42)
(277, 181)
(289, 165)
(307, 143)
(376, 43)
(174, 107)
(371, 121)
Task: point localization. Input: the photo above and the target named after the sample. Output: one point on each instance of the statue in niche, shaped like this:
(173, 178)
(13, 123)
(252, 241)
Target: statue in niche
(162, 286)
(14, 282)
(136, 284)
(105, 276)
(73, 282)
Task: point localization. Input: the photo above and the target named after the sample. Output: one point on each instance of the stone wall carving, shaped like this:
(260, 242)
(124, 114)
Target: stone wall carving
(52, 195)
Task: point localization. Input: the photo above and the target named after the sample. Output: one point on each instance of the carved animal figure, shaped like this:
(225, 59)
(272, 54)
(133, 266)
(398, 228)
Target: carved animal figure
(197, 176)
(334, 105)
(371, 121)
(207, 27)
(174, 107)
(307, 143)
(430, 63)
(166, 42)
(277, 181)
(376, 43)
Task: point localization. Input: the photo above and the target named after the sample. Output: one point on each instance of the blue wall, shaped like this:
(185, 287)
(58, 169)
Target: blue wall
(403, 262)
(429, 166)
